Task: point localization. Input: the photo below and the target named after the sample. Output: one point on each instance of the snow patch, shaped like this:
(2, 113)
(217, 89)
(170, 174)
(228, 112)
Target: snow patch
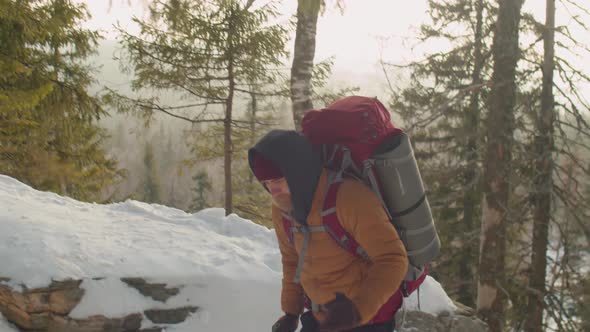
(430, 298)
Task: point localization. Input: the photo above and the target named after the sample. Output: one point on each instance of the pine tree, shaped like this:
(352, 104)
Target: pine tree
(209, 52)
(556, 150)
(441, 109)
(499, 130)
(48, 132)
(438, 109)
(151, 185)
(252, 201)
(543, 173)
(202, 187)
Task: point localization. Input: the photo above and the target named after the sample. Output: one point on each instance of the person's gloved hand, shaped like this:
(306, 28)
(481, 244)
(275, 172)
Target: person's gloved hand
(287, 323)
(341, 314)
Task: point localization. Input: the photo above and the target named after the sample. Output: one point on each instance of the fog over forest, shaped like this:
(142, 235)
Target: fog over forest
(171, 139)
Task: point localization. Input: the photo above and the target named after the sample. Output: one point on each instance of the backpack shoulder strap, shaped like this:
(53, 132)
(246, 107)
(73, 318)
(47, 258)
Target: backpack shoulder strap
(288, 226)
(330, 219)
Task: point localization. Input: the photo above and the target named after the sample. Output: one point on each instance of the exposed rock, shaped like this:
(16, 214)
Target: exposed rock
(445, 322)
(46, 309)
(59, 298)
(464, 310)
(12, 306)
(460, 323)
(169, 316)
(417, 321)
(55, 285)
(3, 279)
(158, 292)
(97, 323)
(17, 316)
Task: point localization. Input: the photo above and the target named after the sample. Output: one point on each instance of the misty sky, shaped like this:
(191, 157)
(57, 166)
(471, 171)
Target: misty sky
(352, 36)
(356, 37)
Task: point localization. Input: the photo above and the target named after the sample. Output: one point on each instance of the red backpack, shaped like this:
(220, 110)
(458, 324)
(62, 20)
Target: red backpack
(354, 132)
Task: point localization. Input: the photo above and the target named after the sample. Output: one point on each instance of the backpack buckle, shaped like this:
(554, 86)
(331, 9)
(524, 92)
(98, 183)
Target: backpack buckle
(404, 288)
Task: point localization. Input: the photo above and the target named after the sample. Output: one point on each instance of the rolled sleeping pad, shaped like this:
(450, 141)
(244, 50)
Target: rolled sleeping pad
(404, 195)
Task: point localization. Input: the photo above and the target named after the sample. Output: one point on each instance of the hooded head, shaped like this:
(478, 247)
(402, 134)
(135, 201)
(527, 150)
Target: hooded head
(273, 180)
(264, 169)
(288, 154)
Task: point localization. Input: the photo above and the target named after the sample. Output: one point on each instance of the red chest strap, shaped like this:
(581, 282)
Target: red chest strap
(332, 223)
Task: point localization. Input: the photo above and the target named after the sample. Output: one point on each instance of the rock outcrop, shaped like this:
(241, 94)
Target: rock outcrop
(446, 322)
(47, 310)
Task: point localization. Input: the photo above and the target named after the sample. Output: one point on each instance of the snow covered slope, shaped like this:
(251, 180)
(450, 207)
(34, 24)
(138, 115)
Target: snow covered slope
(228, 266)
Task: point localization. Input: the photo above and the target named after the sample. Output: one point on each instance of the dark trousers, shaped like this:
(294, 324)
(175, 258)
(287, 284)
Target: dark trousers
(310, 324)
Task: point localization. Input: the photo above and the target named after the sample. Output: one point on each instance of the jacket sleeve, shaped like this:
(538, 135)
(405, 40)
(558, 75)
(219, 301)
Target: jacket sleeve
(362, 215)
(291, 293)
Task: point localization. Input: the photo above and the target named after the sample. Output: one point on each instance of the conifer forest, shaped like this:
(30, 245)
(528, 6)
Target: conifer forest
(162, 105)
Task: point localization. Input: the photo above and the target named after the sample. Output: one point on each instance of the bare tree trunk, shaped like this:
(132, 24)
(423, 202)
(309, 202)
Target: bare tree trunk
(499, 134)
(227, 125)
(227, 131)
(543, 183)
(254, 106)
(301, 70)
(471, 197)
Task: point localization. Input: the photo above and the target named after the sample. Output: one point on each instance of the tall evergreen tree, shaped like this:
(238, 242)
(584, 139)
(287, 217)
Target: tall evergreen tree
(252, 201)
(543, 179)
(201, 188)
(441, 109)
(208, 51)
(48, 132)
(554, 142)
(499, 131)
(438, 109)
(151, 185)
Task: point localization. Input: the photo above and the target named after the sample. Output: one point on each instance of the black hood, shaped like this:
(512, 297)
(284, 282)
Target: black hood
(299, 162)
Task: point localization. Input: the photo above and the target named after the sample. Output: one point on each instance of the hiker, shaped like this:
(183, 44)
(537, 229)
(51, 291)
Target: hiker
(344, 291)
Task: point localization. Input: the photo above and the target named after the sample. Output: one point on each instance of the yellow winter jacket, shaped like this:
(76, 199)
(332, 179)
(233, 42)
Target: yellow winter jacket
(328, 268)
